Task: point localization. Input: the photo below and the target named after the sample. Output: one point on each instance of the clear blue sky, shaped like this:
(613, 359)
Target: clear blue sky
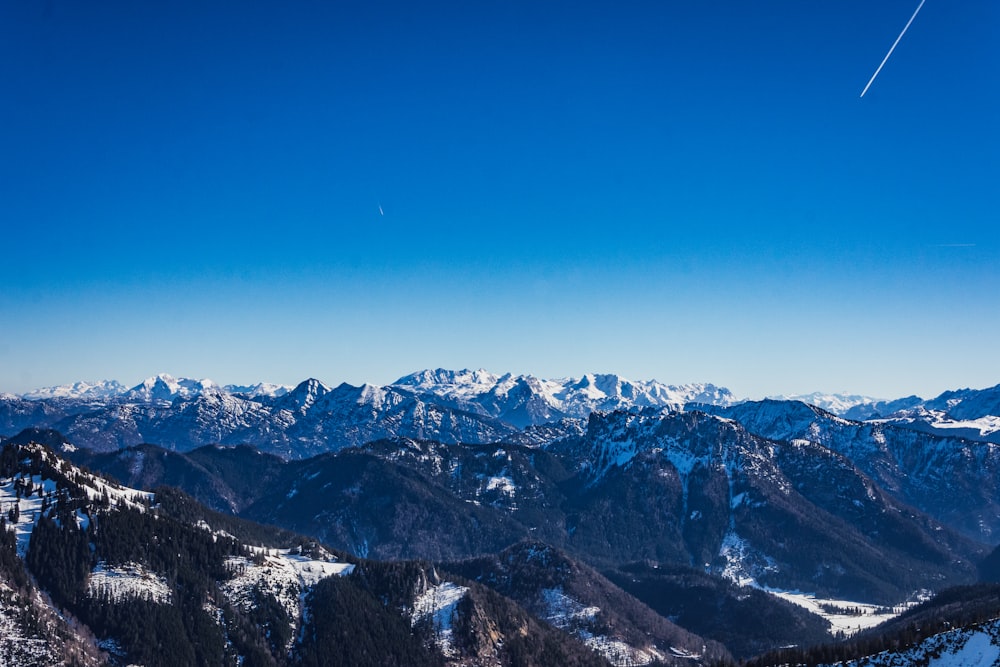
(685, 191)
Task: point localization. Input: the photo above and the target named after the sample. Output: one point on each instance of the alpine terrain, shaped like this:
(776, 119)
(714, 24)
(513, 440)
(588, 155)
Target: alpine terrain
(467, 518)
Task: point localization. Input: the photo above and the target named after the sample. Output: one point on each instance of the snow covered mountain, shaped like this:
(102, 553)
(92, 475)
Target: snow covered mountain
(525, 400)
(968, 403)
(78, 391)
(698, 497)
(963, 413)
(141, 577)
(976, 645)
(701, 507)
(165, 388)
(161, 387)
(449, 406)
(709, 491)
(580, 601)
(985, 428)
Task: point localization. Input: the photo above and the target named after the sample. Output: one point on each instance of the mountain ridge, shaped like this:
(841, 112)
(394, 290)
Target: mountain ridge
(121, 576)
(567, 396)
(451, 406)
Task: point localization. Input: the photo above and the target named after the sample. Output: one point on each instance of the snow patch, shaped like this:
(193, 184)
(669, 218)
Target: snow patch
(562, 611)
(280, 572)
(25, 509)
(504, 485)
(574, 617)
(439, 603)
(620, 654)
(21, 644)
(131, 581)
(743, 564)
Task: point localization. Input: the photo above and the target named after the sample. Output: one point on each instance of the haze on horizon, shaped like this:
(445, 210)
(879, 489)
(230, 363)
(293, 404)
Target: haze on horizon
(687, 192)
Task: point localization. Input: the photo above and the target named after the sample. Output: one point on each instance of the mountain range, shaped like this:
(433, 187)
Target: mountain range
(463, 514)
(95, 573)
(447, 406)
(690, 489)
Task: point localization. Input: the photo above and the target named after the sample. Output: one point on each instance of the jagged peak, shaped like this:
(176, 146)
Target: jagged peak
(305, 395)
(166, 387)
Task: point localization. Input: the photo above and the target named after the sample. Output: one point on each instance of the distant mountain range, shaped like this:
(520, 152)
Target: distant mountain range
(447, 406)
(161, 387)
(553, 399)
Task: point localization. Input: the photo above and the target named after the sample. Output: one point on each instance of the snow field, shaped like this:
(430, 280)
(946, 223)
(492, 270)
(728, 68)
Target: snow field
(744, 564)
(843, 615)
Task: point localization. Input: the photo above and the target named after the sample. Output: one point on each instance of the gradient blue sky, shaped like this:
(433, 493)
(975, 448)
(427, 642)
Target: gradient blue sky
(685, 191)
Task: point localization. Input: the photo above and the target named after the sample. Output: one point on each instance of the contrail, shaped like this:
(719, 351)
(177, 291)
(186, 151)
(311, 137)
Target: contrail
(893, 47)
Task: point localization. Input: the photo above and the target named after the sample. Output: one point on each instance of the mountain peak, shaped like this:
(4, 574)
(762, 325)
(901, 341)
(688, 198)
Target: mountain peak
(304, 395)
(602, 384)
(165, 387)
(428, 379)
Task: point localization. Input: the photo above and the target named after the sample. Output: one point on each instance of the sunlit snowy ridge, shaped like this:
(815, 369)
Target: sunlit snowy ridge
(464, 406)
(24, 497)
(44, 485)
(974, 646)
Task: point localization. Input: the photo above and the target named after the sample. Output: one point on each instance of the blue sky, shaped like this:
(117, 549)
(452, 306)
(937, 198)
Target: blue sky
(685, 191)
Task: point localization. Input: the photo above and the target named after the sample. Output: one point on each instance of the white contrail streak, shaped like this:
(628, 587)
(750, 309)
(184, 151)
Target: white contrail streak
(893, 47)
